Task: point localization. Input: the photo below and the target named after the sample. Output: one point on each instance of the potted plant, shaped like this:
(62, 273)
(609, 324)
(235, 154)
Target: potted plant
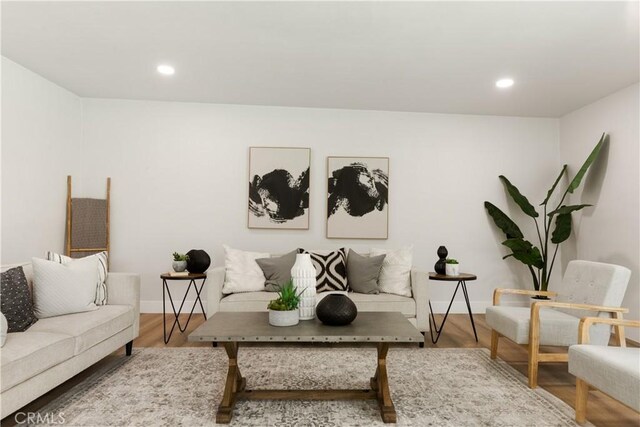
(453, 267)
(540, 259)
(179, 262)
(283, 311)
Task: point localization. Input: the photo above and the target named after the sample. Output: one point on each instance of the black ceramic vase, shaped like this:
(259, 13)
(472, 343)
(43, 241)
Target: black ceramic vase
(336, 310)
(198, 261)
(441, 264)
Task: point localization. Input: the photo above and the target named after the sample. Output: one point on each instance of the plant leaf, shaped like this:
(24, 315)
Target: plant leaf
(525, 252)
(563, 228)
(553, 187)
(517, 197)
(503, 222)
(507, 256)
(567, 209)
(575, 183)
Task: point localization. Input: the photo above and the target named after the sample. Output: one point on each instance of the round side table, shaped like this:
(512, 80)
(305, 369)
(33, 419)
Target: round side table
(461, 279)
(165, 290)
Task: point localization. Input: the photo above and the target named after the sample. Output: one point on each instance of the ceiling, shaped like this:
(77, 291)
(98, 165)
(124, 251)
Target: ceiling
(441, 57)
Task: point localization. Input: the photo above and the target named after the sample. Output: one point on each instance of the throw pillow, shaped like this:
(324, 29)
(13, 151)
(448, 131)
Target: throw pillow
(101, 286)
(331, 270)
(395, 275)
(4, 326)
(242, 272)
(363, 272)
(15, 300)
(64, 288)
(277, 270)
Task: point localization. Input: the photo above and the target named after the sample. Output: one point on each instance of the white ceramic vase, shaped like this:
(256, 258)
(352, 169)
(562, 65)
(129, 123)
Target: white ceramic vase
(452, 269)
(303, 274)
(284, 318)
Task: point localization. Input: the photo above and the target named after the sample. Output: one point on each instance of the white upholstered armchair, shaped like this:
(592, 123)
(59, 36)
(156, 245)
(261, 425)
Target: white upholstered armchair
(613, 370)
(587, 289)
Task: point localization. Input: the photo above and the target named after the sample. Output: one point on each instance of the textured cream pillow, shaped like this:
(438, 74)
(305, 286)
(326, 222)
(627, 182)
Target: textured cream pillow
(4, 327)
(242, 272)
(395, 274)
(63, 288)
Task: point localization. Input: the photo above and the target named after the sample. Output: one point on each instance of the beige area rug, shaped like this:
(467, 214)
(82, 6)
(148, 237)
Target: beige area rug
(430, 387)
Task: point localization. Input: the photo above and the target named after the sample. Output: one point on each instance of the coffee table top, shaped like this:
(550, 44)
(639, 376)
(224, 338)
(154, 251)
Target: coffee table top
(253, 326)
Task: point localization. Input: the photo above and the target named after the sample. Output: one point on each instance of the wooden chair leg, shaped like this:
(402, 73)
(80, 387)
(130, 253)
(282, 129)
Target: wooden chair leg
(495, 336)
(582, 392)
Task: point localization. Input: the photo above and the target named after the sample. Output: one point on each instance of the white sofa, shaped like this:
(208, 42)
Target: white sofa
(55, 349)
(415, 308)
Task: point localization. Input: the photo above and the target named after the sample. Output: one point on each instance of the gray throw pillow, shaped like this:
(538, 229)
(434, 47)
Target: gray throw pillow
(277, 270)
(363, 272)
(15, 300)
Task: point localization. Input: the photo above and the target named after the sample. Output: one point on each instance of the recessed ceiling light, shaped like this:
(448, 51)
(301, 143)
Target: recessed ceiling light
(167, 70)
(504, 83)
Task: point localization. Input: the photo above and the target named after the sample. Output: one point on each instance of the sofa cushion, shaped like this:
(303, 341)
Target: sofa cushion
(88, 328)
(277, 270)
(257, 301)
(331, 270)
(614, 370)
(103, 262)
(363, 272)
(15, 300)
(395, 274)
(242, 272)
(26, 354)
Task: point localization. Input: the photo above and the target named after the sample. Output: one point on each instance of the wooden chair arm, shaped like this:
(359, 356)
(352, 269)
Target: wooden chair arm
(498, 292)
(586, 322)
(537, 305)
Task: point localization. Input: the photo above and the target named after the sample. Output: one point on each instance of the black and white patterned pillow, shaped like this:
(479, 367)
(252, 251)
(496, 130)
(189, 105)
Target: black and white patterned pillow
(15, 300)
(101, 286)
(331, 270)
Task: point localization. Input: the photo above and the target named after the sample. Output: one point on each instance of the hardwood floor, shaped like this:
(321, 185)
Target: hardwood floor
(553, 377)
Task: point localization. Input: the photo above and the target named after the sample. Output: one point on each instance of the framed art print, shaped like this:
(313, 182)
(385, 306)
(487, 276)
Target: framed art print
(279, 187)
(357, 197)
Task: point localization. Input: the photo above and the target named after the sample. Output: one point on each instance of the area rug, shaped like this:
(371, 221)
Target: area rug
(429, 387)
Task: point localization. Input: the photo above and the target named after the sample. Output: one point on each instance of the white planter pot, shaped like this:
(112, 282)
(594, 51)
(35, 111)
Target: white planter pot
(452, 269)
(303, 274)
(284, 318)
(179, 266)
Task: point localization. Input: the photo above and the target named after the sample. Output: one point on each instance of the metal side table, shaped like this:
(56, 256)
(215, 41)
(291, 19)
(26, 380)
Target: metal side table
(461, 279)
(165, 291)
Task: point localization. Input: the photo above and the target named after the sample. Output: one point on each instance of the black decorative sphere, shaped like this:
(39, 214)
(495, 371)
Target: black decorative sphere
(198, 261)
(441, 264)
(336, 310)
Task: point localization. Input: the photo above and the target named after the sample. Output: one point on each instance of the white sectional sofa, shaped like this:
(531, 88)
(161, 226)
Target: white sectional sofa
(415, 308)
(55, 349)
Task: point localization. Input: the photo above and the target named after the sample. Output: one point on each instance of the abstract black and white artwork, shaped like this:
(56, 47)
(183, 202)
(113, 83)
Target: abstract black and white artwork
(279, 187)
(358, 197)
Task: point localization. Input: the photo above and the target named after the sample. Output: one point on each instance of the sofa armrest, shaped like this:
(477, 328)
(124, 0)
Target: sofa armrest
(124, 289)
(215, 280)
(419, 289)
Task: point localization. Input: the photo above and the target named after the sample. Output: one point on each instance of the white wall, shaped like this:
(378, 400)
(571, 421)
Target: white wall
(179, 181)
(610, 231)
(41, 142)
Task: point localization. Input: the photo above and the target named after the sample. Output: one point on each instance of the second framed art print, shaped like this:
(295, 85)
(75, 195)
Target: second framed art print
(279, 187)
(357, 197)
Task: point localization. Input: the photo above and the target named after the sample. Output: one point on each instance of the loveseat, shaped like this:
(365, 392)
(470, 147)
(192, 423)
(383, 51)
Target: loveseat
(55, 349)
(415, 308)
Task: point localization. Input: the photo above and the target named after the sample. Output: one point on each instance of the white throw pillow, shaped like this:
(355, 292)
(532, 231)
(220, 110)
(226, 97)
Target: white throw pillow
(242, 272)
(395, 274)
(64, 288)
(102, 258)
(4, 327)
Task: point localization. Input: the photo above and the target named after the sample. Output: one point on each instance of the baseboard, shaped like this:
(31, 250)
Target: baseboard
(439, 307)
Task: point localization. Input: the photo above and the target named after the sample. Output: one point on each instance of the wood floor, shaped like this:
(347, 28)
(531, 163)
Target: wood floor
(553, 377)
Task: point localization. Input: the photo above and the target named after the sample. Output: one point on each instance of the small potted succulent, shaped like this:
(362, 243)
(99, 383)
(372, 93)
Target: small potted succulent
(283, 311)
(179, 262)
(453, 267)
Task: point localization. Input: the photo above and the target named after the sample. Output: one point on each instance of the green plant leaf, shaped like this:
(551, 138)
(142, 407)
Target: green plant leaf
(525, 252)
(567, 209)
(563, 228)
(504, 223)
(517, 197)
(575, 183)
(553, 187)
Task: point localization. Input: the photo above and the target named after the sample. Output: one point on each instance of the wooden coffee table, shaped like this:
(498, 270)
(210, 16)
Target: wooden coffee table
(234, 328)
